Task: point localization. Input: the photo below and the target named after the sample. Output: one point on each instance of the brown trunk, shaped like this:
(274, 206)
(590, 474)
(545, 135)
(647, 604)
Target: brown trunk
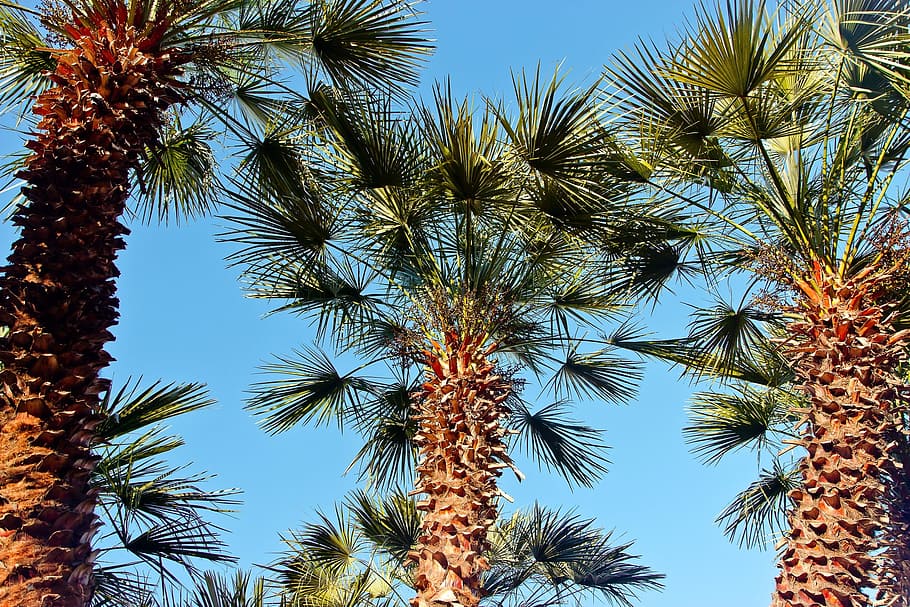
(845, 354)
(461, 455)
(58, 300)
(895, 583)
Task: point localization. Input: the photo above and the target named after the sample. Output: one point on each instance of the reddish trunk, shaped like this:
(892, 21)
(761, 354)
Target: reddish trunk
(845, 355)
(461, 456)
(58, 300)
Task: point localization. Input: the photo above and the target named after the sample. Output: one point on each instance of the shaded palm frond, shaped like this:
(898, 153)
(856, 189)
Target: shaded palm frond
(725, 336)
(179, 541)
(597, 375)
(131, 408)
(758, 514)
(574, 450)
(177, 179)
(723, 422)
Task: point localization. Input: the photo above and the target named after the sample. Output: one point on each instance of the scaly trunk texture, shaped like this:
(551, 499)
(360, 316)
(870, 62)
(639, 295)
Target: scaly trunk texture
(461, 453)
(845, 352)
(894, 590)
(57, 296)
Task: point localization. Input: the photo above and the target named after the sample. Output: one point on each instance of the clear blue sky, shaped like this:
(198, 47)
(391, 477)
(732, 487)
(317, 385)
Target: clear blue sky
(184, 319)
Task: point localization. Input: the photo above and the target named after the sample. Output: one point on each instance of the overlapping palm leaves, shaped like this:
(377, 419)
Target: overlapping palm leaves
(411, 234)
(155, 514)
(786, 128)
(538, 557)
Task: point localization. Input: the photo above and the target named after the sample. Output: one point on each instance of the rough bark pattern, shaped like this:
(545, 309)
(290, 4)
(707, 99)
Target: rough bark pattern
(894, 590)
(58, 300)
(461, 453)
(845, 354)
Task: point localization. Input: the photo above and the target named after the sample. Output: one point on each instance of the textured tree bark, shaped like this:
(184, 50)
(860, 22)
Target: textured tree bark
(845, 353)
(57, 297)
(895, 583)
(461, 456)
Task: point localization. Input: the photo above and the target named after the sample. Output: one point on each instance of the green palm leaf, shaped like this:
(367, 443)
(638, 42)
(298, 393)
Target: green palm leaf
(758, 513)
(573, 449)
(311, 389)
(24, 60)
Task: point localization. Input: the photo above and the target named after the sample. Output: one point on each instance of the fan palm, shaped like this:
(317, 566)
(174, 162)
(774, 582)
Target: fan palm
(153, 512)
(538, 557)
(786, 129)
(450, 247)
(104, 101)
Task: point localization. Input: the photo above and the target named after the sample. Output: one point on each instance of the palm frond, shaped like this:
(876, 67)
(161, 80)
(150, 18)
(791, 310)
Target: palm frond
(24, 59)
(575, 450)
(115, 588)
(331, 544)
(723, 422)
(179, 541)
(367, 41)
(131, 408)
(758, 514)
(311, 390)
(388, 455)
(733, 51)
(178, 177)
(725, 336)
(596, 375)
(392, 524)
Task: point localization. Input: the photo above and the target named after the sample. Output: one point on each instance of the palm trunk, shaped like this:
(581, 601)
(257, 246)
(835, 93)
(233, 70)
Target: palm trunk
(895, 586)
(845, 354)
(58, 301)
(462, 454)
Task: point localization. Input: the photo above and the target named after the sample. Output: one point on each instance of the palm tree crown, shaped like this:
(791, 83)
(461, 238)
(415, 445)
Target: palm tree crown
(426, 242)
(785, 127)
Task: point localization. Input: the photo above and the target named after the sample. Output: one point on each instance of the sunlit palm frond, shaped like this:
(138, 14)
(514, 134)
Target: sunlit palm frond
(332, 545)
(733, 52)
(310, 389)
(468, 154)
(24, 59)
(368, 40)
(391, 524)
(747, 418)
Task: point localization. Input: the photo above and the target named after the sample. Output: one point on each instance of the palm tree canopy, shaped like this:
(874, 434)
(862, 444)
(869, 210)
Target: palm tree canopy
(233, 59)
(539, 556)
(391, 227)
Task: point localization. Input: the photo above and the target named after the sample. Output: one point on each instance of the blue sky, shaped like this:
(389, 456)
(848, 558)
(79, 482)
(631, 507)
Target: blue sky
(184, 319)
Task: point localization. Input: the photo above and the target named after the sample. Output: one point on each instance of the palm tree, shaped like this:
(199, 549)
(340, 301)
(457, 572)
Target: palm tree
(106, 100)
(785, 128)
(449, 248)
(537, 557)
